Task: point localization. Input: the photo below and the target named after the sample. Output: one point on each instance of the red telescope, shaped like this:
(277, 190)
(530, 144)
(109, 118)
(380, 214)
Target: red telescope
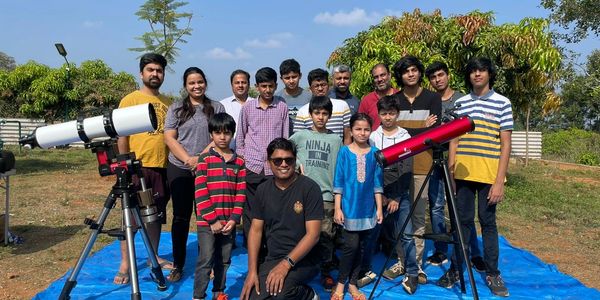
(424, 141)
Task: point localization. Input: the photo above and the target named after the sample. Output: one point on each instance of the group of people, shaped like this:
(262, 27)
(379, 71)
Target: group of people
(297, 169)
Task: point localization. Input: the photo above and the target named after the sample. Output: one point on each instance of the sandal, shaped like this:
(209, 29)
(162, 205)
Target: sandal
(175, 275)
(121, 278)
(164, 265)
(337, 296)
(358, 296)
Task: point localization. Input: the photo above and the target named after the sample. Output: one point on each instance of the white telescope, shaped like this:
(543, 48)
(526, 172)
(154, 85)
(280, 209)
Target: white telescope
(114, 123)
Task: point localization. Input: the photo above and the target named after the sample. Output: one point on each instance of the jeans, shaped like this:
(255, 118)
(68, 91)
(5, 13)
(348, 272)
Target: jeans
(406, 243)
(437, 202)
(467, 191)
(214, 253)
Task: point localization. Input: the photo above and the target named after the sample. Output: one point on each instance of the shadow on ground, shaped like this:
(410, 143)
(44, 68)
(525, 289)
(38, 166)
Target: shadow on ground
(38, 238)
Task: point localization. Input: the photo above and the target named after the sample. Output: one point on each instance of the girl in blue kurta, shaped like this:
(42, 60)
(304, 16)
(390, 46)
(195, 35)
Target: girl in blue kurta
(357, 186)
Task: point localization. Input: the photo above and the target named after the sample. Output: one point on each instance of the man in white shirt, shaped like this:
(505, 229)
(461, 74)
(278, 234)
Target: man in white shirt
(240, 85)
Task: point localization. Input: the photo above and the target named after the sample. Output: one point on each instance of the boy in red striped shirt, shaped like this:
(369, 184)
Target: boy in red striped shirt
(220, 194)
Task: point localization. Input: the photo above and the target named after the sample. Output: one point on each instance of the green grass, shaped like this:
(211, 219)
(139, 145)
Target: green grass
(39, 161)
(546, 194)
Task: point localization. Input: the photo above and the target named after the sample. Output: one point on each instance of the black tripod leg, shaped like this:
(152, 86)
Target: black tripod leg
(455, 222)
(401, 231)
(72, 281)
(157, 274)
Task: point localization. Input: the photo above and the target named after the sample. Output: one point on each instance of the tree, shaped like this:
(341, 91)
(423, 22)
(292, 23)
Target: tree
(584, 15)
(580, 95)
(524, 53)
(7, 63)
(38, 91)
(164, 34)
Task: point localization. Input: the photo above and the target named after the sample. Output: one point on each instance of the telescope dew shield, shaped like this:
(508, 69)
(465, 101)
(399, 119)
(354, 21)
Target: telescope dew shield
(131, 120)
(119, 122)
(419, 142)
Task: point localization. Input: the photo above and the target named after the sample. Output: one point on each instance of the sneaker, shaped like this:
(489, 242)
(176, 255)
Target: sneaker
(422, 277)
(449, 279)
(366, 279)
(394, 271)
(410, 284)
(220, 296)
(496, 285)
(437, 259)
(327, 282)
(478, 264)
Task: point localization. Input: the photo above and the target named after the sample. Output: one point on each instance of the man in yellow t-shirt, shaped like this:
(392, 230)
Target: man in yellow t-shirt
(151, 150)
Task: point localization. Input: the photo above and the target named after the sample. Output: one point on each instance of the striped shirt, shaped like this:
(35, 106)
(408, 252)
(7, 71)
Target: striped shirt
(220, 189)
(256, 128)
(412, 117)
(478, 152)
(340, 118)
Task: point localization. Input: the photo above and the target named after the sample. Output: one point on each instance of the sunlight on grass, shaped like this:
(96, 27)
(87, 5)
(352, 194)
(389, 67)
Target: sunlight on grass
(554, 196)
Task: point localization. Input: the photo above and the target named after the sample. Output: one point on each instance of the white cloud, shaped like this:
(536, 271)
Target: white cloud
(92, 24)
(275, 40)
(222, 54)
(357, 16)
(269, 43)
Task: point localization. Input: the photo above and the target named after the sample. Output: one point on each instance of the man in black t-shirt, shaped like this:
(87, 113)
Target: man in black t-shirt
(289, 210)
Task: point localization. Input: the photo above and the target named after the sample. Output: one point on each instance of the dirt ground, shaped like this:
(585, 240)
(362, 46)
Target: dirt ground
(48, 208)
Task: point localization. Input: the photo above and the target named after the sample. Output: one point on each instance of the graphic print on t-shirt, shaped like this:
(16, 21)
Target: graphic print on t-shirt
(318, 153)
(161, 115)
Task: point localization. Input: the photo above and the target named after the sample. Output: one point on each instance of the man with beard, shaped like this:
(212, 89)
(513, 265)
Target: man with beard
(342, 76)
(383, 87)
(339, 121)
(240, 85)
(151, 150)
(287, 213)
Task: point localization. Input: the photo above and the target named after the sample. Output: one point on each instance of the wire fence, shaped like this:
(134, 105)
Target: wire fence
(9, 110)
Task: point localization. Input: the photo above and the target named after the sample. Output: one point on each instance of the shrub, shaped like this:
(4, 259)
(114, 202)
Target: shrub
(589, 158)
(572, 145)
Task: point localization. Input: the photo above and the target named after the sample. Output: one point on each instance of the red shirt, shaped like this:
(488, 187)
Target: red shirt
(368, 105)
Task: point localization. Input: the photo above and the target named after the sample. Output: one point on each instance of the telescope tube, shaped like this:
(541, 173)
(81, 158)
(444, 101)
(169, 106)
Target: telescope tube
(118, 122)
(421, 142)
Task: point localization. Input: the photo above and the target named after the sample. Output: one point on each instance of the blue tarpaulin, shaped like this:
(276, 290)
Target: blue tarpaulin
(526, 277)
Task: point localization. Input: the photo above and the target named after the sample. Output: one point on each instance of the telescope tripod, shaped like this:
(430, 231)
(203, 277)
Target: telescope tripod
(456, 237)
(124, 190)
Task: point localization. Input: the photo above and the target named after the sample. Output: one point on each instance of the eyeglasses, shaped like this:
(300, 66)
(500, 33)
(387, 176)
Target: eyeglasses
(277, 161)
(319, 85)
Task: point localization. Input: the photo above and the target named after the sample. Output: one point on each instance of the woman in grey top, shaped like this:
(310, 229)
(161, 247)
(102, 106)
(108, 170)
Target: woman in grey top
(186, 135)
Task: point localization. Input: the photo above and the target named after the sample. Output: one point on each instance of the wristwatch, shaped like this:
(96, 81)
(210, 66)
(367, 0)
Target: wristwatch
(290, 261)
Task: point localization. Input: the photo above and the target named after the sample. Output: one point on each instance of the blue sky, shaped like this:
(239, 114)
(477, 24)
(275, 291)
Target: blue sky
(227, 34)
